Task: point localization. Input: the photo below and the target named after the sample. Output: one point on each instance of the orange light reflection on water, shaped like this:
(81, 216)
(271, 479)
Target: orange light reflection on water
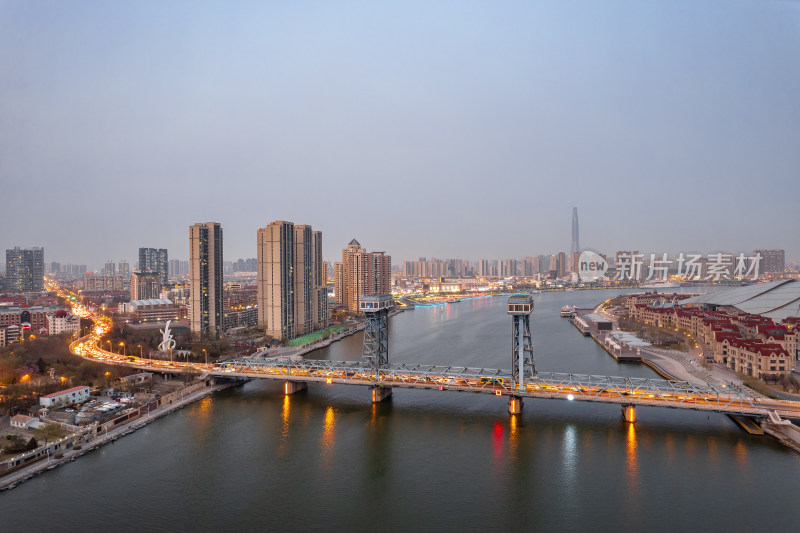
(204, 407)
(632, 453)
(328, 426)
(740, 454)
(285, 418)
(513, 438)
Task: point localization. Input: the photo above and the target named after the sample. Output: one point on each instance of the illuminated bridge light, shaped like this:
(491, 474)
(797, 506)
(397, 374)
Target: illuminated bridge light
(570, 397)
(498, 392)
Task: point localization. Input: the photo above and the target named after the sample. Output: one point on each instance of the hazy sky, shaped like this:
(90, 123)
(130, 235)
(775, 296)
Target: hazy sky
(448, 129)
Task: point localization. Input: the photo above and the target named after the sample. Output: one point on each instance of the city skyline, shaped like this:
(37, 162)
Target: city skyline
(234, 265)
(663, 126)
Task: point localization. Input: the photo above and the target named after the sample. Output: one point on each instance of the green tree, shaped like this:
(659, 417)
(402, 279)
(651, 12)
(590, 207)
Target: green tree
(32, 445)
(50, 431)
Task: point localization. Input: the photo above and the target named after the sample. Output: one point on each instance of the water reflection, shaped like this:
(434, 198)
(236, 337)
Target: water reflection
(669, 446)
(691, 447)
(513, 438)
(285, 419)
(328, 437)
(204, 407)
(632, 456)
(569, 457)
(497, 441)
(202, 416)
(713, 450)
(740, 454)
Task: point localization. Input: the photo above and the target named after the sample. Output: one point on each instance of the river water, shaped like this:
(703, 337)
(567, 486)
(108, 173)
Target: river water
(252, 459)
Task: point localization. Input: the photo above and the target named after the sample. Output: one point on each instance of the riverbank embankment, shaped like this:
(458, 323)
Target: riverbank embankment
(87, 439)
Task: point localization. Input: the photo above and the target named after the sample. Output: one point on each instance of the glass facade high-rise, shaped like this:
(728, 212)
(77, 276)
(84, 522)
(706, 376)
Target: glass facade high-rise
(205, 279)
(155, 260)
(24, 269)
(576, 244)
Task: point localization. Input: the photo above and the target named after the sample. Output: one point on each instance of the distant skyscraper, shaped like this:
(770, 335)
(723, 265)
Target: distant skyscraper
(110, 269)
(25, 269)
(205, 278)
(178, 268)
(145, 285)
(124, 271)
(772, 261)
(155, 260)
(508, 268)
(561, 264)
(319, 282)
(576, 244)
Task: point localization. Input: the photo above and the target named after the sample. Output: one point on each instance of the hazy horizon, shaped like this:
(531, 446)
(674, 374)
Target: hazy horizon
(436, 129)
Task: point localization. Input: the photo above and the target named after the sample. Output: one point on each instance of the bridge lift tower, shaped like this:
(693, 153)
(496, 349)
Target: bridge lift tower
(522, 364)
(375, 353)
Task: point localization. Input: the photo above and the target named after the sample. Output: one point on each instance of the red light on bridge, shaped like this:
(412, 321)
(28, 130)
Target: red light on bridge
(498, 392)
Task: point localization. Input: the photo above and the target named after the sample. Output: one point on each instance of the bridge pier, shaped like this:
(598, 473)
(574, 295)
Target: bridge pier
(629, 412)
(380, 393)
(514, 405)
(291, 387)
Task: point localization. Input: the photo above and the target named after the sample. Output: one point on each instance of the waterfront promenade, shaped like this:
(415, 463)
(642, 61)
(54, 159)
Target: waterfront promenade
(674, 364)
(87, 442)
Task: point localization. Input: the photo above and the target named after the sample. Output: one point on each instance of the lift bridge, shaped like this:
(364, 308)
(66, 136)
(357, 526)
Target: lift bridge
(522, 381)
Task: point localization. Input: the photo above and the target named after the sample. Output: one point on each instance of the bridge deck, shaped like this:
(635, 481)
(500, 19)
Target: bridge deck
(580, 387)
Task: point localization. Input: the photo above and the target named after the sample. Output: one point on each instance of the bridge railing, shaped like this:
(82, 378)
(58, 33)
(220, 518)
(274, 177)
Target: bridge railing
(609, 389)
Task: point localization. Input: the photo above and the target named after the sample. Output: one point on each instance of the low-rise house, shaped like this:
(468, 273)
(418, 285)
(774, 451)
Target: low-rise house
(65, 397)
(25, 422)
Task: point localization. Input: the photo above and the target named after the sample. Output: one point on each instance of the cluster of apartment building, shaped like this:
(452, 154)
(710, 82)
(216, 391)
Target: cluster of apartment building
(752, 344)
(564, 265)
(42, 320)
(487, 268)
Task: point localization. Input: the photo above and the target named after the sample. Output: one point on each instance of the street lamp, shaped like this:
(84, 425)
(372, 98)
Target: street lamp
(122, 345)
(206, 354)
(140, 350)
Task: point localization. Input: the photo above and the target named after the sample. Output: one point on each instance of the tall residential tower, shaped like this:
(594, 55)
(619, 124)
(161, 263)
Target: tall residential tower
(155, 260)
(205, 279)
(292, 298)
(361, 273)
(24, 269)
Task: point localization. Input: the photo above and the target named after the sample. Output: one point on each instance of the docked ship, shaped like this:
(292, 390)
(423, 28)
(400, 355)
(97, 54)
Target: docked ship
(568, 311)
